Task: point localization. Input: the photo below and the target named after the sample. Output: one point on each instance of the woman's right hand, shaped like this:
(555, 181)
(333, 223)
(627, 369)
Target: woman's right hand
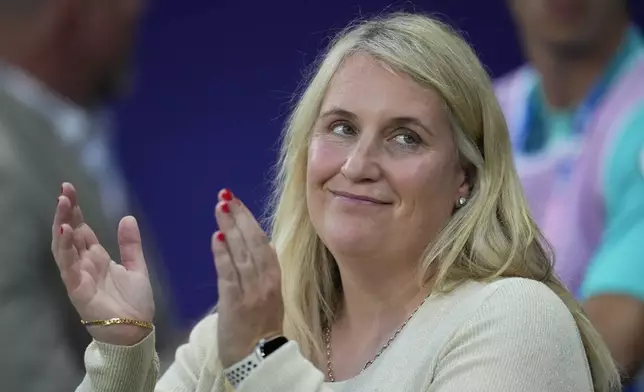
(98, 287)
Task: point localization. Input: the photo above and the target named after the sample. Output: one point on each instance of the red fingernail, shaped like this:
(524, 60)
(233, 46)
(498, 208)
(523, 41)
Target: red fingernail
(61, 230)
(220, 236)
(227, 195)
(225, 208)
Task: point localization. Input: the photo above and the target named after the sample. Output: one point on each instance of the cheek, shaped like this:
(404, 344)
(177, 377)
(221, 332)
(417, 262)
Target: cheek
(427, 184)
(415, 184)
(325, 160)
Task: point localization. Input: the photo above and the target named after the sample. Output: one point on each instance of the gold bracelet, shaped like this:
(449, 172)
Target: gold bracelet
(118, 320)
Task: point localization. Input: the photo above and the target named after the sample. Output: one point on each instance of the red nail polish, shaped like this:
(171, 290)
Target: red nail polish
(225, 208)
(227, 195)
(220, 236)
(61, 230)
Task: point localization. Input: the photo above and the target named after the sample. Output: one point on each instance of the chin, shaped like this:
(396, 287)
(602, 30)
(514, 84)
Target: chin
(353, 238)
(571, 42)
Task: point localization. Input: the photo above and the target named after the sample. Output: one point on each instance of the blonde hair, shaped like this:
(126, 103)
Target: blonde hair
(492, 236)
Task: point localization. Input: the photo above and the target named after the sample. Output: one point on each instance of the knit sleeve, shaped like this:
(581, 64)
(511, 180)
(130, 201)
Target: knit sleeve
(121, 368)
(285, 370)
(522, 339)
(136, 368)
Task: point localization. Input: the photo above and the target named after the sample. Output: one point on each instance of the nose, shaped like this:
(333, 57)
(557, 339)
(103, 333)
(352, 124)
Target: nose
(363, 164)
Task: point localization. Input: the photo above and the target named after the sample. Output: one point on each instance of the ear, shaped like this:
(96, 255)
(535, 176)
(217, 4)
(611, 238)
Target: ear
(465, 177)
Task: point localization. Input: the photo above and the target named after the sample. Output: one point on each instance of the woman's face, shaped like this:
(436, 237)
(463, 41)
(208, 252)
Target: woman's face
(383, 170)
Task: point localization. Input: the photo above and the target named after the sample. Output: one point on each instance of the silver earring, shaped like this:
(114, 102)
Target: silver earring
(461, 201)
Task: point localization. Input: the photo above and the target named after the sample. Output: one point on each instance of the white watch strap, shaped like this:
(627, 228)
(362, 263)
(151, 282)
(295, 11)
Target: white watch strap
(239, 371)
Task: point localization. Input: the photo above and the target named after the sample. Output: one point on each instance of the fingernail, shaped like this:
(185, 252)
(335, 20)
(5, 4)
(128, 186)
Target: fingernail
(61, 230)
(225, 208)
(220, 236)
(227, 195)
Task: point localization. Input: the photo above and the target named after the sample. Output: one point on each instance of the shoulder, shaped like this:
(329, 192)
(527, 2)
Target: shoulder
(17, 137)
(33, 161)
(624, 163)
(515, 334)
(512, 91)
(505, 306)
(518, 305)
(25, 181)
(506, 80)
(9, 134)
(525, 297)
(520, 290)
(20, 183)
(525, 314)
(506, 85)
(629, 135)
(621, 119)
(615, 266)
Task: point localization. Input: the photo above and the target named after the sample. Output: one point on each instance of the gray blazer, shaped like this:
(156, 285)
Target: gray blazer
(41, 339)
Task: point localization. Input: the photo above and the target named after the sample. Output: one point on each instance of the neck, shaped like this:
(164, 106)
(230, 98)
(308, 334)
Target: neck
(377, 297)
(567, 78)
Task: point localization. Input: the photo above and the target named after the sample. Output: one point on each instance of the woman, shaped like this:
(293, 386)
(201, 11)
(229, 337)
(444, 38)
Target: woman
(407, 257)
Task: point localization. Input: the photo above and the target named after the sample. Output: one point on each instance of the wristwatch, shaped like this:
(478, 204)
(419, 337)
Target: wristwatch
(265, 347)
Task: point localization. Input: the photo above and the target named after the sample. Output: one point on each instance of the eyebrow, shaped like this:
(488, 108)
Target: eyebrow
(399, 121)
(335, 111)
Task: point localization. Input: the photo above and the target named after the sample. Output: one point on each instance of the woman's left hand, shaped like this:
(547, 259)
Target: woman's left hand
(249, 281)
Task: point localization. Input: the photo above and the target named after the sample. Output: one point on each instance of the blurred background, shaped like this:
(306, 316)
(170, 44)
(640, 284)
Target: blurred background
(213, 83)
(213, 88)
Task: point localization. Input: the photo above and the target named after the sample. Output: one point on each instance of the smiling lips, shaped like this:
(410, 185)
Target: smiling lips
(359, 198)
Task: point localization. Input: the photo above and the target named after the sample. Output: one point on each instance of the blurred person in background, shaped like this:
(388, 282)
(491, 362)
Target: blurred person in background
(576, 118)
(61, 61)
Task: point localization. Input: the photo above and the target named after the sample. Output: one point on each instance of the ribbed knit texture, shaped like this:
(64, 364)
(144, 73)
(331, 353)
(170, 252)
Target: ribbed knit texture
(513, 335)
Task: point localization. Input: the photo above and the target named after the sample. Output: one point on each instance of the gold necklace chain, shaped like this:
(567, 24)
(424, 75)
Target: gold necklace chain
(327, 341)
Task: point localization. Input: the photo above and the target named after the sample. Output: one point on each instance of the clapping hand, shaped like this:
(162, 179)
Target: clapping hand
(249, 281)
(98, 287)
(249, 277)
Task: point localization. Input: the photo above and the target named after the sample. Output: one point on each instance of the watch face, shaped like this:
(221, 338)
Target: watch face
(272, 345)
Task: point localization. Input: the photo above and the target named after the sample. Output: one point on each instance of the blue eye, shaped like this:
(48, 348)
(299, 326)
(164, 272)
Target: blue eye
(407, 140)
(342, 129)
